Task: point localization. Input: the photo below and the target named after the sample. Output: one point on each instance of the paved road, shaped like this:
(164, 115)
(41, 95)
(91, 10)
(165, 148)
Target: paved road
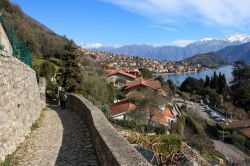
(230, 152)
(62, 140)
(200, 110)
(195, 106)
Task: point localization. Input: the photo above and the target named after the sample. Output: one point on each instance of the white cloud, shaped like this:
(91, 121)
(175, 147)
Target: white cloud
(182, 42)
(88, 45)
(226, 13)
(91, 45)
(163, 28)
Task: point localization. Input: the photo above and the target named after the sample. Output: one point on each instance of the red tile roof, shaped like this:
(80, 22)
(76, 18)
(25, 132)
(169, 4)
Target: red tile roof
(112, 72)
(154, 84)
(163, 121)
(240, 124)
(159, 117)
(125, 106)
(167, 112)
(245, 131)
(122, 107)
(162, 116)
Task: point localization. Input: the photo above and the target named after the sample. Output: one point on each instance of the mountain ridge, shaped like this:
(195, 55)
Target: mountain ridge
(211, 59)
(177, 53)
(236, 52)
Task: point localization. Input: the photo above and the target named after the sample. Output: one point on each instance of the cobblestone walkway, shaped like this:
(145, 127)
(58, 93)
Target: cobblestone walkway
(62, 140)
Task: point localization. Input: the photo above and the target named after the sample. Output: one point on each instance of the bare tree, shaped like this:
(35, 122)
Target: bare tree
(151, 102)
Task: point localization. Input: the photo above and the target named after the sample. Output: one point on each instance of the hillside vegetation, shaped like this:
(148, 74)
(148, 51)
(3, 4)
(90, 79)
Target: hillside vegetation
(209, 60)
(41, 40)
(235, 53)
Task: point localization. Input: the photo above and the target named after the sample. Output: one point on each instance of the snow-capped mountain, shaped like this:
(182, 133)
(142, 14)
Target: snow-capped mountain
(238, 37)
(179, 53)
(232, 39)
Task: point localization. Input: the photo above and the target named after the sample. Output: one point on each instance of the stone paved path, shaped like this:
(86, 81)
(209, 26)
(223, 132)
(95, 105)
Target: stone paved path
(62, 140)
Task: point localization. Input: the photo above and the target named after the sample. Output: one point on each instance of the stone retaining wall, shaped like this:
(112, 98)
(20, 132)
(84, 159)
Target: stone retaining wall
(5, 41)
(19, 103)
(111, 147)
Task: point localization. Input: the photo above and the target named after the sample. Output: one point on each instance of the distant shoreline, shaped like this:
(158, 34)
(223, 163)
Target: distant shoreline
(188, 72)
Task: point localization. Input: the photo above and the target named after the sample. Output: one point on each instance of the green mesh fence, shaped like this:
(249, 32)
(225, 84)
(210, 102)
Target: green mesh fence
(20, 50)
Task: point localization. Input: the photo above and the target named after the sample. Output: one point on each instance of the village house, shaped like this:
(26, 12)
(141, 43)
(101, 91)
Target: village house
(123, 107)
(141, 85)
(115, 75)
(165, 117)
(162, 114)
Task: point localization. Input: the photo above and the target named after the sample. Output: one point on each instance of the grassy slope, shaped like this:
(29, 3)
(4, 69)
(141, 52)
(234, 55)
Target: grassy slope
(39, 60)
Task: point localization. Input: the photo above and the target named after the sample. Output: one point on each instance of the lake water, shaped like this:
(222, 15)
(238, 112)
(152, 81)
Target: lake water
(178, 79)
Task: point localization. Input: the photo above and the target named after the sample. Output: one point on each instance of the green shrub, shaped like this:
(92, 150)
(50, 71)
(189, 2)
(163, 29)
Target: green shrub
(146, 73)
(105, 109)
(51, 86)
(196, 126)
(212, 154)
(166, 145)
(222, 134)
(132, 125)
(120, 95)
(159, 128)
(239, 138)
(97, 90)
(37, 70)
(51, 89)
(179, 126)
(135, 97)
(47, 69)
(171, 143)
(223, 126)
(55, 61)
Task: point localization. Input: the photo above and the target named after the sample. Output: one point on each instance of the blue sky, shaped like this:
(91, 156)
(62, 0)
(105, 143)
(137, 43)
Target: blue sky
(119, 22)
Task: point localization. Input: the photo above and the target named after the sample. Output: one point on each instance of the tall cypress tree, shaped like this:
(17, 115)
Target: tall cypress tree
(207, 81)
(214, 82)
(72, 76)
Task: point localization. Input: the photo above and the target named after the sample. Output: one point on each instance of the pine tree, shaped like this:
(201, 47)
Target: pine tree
(72, 77)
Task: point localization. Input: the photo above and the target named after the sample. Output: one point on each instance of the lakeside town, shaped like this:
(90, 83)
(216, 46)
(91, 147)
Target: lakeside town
(131, 64)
